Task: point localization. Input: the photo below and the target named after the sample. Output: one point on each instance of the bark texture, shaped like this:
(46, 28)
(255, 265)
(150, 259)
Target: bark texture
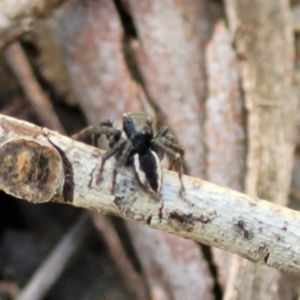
(19, 16)
(258, 28)
(165, 257)
(173, 36)
(90, 38)
(224, 126)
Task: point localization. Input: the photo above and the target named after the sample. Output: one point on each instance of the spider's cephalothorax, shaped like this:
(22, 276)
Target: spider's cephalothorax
(135, 145)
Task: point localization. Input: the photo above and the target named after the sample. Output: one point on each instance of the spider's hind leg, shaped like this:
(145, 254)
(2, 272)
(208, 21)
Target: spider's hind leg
(166, 143)
(91, 134)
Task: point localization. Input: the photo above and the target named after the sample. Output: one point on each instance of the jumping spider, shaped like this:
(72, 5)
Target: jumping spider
(135, 145)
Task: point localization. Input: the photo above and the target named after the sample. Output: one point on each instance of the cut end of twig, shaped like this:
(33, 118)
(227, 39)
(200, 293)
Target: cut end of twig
(29, 170)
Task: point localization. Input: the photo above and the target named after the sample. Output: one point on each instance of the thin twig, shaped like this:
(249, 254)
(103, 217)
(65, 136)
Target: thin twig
(53, 266)
(39, 100)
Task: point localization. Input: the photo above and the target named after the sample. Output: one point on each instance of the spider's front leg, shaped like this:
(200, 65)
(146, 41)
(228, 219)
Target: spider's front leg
(165, 142)
(122, 151)
(91, 134)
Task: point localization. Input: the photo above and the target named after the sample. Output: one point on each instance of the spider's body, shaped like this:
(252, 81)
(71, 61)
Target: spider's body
(145, 161)
(136, 146)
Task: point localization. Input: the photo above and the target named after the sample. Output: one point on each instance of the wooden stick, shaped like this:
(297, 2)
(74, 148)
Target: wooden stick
(255, 229)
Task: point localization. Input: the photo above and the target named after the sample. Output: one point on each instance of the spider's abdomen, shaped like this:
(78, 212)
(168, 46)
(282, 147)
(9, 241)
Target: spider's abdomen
(148, 171)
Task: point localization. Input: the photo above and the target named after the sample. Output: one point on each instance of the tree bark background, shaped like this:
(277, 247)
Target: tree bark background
(227, 92)
(271, 119)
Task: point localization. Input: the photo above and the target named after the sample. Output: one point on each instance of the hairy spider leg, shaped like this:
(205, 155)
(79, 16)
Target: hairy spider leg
(84, 135)
(94, 132)
(117, 148)
(174, 152)
(166, 143)
(165, 137)
(121, 161)
(118, 143)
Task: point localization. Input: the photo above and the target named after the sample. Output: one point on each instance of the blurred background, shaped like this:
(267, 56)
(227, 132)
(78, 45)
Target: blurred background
(223, 75)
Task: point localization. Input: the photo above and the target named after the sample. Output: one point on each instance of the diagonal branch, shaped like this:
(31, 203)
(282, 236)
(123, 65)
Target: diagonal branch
(258, 230)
